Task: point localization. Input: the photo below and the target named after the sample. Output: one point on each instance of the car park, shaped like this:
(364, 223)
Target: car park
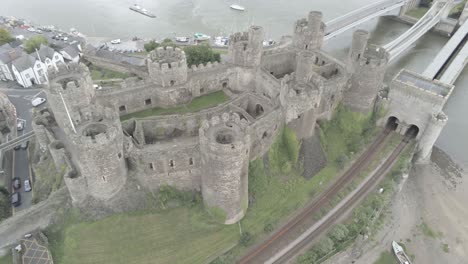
(16, 199)
(27, 186)
(38, 101)
(16, 183)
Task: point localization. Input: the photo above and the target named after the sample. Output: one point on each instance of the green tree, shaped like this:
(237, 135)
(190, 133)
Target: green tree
(5, 36)
(201, 54)
(246, 239)
(339, 233)
(34, 43)
(4, 203)
(324, 247)
(151, 45)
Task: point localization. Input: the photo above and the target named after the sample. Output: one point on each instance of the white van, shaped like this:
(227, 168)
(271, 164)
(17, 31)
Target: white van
(38, 101)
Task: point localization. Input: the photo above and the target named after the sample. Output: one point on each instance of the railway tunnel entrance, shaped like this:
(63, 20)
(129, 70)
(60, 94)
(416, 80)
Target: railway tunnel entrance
(392, 123)
(412, 131)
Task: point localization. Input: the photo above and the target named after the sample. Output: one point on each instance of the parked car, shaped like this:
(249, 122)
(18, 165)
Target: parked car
(38, 101)
(16, 199)
(24, 145)
(16, 182)
(27, 186)
(31, 29)
(20, 125)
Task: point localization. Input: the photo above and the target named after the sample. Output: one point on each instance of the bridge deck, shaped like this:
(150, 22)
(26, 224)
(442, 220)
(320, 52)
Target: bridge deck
(425, 84)
(456, 67)
(445, 53)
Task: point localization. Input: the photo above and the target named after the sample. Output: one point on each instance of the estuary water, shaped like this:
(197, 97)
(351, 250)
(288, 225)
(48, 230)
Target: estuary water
(113, 19)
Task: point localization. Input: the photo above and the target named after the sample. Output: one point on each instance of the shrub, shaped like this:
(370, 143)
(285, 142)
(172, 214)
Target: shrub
(246, 239)
(5, 36)
(201, 54)
(34, 43)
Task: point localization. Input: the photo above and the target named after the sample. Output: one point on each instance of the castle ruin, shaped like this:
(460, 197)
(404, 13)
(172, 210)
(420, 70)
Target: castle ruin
(209, 150)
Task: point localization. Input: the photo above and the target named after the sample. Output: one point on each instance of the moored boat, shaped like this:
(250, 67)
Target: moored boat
(142, 11)
(400, 253)
(237, 7)
(201, 37)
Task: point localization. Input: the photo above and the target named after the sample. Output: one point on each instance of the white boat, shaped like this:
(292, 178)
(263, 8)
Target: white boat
(201, 37)
(142, 11)
(400, 254)
(237, 7)
(268, 43)
(182, 39)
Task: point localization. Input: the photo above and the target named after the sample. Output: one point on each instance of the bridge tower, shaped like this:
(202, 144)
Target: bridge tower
(309, 33)
(167, 66)
(225, 147)
(368, 72)
(246, 48)
(430, 135)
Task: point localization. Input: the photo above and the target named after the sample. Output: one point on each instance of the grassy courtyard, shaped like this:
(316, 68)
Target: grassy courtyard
(188, 234)
(197, 104)
(99, 73)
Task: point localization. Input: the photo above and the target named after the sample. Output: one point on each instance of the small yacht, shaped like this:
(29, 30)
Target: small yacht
(141, 10)
(237, 7)
(201, 37)
(400, 253)
(221, 41)
(182, 39)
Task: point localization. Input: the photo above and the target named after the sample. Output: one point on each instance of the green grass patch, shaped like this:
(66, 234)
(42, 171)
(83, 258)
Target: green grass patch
(427, 231)
(445, 248)
(457, 10)
(100, 73)
(417, 12)
(8, 259)
(197, 104)
(386, 258)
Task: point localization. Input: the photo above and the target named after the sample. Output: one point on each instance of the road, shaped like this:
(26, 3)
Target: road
(21, 98)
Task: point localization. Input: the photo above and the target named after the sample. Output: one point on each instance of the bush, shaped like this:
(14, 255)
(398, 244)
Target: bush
(201, 54)
(339, 233)
(152, 45)
(168, 194)
(284, 153)
(34, 43)
(5, 36)
(268, 228)
(246, 239)
(4, 203)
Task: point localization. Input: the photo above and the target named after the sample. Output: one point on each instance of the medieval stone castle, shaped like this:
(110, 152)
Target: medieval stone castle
(294, 84)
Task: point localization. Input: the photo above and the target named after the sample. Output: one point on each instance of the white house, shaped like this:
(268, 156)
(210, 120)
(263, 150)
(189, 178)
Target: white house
(7, 55)
(71, 54)
(49, 57)
(29, 71)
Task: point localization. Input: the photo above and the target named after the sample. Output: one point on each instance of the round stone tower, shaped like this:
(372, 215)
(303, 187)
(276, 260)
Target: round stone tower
(224, 148)
(430, 135)
(246, 48)
(309, 33)
(366, 80)
(72, 87)
(305, 66)
(167, 66)
(99, 147)
(358, 46)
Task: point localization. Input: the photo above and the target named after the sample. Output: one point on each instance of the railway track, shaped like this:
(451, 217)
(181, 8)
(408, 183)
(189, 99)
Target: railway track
(359, 194)
(257, 254)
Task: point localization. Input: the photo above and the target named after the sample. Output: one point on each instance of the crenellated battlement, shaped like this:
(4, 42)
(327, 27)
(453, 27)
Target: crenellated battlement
(167, 66)
(374, 56)
(209, 66)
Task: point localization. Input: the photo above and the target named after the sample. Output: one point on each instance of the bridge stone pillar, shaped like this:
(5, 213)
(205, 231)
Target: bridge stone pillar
(429, 136)
(410, 4)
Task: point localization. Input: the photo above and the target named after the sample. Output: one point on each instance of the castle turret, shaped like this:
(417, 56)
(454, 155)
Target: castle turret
(224, 148)
(309, 33)
(98, 145)
(358, 46)
(246, 48)
(430, 135)
(72, 85)
(368, 72)
(167, 66)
